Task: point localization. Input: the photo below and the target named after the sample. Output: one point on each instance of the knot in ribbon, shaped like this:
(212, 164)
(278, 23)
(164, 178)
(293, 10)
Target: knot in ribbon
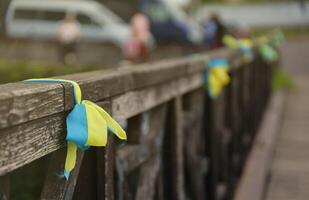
(216, 76)
(245, 45)
(87, 125)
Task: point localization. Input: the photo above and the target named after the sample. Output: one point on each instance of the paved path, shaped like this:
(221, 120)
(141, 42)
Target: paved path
(290, 167)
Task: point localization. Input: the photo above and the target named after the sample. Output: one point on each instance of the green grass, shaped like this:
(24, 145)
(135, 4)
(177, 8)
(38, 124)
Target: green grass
(281, 80)
(290, 33)
(17, 71)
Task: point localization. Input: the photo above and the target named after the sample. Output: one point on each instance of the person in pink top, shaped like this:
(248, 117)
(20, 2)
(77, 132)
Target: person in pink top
(140, 27)
(137, 49)
(68, 35)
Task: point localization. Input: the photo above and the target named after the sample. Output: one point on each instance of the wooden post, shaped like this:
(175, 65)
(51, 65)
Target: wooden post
(173, 152)
(196, 162)
(143, 159)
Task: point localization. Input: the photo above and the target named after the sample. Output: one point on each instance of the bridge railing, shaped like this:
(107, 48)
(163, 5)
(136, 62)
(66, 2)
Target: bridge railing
(181, 143)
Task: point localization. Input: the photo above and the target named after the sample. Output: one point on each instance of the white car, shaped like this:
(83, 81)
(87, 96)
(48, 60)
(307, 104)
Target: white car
(41, 19)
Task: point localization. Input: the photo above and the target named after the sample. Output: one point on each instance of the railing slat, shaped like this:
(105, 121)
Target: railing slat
(55, 186)
(173, 152)
(195, 160)
(147, 150)
(109, 168)
(148, 177)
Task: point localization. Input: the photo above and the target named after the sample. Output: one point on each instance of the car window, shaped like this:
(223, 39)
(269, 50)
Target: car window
(85, 20)
(25, 14)
(52, 15)
(45, 15)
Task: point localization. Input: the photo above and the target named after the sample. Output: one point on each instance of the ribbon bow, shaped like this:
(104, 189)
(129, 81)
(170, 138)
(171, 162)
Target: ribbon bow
(216, 76)
(87, 125)
(269, 53)
(244, 45)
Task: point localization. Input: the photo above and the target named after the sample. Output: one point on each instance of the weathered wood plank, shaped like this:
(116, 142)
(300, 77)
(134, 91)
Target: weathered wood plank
(219, 141)
(109, 167)
(174, 152)
(195, 162)
(133, 156)
(24, 102)
(177, 120)
(147, 180)
(55, 186)
(86, 186)
(135, 102)
(46, 135)
(27, 142)
(257, 167)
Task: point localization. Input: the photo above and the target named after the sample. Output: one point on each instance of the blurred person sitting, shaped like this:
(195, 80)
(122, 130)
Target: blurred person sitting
(137, 48)
(214, 31)
(68, 35)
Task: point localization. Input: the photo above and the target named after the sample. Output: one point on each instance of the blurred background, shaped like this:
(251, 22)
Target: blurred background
(53, 37)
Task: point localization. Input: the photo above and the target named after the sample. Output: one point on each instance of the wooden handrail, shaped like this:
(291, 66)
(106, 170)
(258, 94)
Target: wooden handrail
(28, 108)
(32, 120)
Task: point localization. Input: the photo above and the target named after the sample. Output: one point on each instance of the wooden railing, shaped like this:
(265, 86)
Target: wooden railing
(181, 143)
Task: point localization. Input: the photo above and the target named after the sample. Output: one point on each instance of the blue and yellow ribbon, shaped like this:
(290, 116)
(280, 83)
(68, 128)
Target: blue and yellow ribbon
(245, 45)
(87, 125)
(216, 76)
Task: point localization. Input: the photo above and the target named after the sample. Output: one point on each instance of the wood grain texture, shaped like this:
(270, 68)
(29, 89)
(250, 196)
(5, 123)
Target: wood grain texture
(47, 134)
(109, 171)
(131, 156)
(21, 102)
(195, 161)
(56, 187)
(144, 155)
(148, 176)
(138, 101)
(27, 142)
(177, 158)
(253, 180)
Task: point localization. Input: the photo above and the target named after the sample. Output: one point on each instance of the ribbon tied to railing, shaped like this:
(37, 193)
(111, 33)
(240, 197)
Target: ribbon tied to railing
(245, 45)
(216, 76)
(87, 125)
